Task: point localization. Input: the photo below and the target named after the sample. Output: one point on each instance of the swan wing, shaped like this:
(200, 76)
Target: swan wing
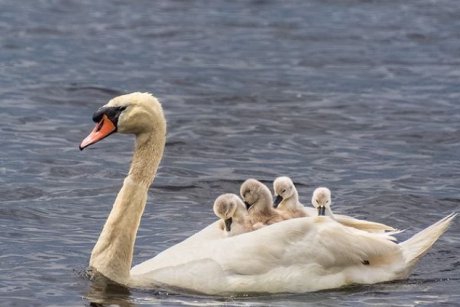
(181, 252)
(290, 256)
(368, 226)
(318, 240)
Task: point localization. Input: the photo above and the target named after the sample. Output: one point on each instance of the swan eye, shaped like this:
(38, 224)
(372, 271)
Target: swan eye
(283, 191)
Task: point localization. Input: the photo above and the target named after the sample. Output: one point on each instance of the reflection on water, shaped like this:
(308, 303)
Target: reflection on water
(103, 292)
(360, 96)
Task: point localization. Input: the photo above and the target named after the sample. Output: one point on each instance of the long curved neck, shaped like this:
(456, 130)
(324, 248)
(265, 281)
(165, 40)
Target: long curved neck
(240, 216)
(291, 203)
(113, 253)
(263, 205)
(146, 158)
(328, 212)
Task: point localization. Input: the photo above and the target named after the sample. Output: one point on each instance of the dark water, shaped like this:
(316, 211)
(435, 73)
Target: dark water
(360, 96)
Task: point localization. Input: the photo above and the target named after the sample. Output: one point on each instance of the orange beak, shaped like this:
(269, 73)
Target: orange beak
(103, 129)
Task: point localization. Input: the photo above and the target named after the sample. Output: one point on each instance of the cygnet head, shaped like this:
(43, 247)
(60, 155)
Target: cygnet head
(283, 188)
(226, 207)
(253, 191)
(321, 200)
(134, 113)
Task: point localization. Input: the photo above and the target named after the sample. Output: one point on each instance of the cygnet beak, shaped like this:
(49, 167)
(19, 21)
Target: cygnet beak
(247, 205)
(278, 199)
(321, 210)
(228, 224)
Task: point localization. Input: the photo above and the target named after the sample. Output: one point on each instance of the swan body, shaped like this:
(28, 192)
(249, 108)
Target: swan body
(258, 200)
(234, 216)
(296, 255)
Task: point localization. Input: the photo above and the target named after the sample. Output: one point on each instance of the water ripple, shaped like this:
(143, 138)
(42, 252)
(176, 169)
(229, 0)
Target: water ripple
(346, 94)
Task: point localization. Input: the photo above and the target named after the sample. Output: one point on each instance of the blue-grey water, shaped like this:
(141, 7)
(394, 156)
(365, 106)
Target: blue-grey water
(360, 96)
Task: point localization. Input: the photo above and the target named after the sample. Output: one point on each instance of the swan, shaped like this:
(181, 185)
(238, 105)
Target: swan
(258, 200)
(287, 198)
(293, 256)
(321, 201)
(232, 211)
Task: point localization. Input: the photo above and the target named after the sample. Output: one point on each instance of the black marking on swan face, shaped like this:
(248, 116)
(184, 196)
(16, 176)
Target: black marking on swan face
(113, 113)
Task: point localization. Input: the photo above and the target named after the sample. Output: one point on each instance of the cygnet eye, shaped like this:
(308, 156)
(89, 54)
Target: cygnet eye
(283, 191)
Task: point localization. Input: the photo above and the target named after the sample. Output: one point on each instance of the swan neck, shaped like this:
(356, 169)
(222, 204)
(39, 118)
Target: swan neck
(113, 253)
(147, 155)
(263, 203)
(292, 203)
(328, 212)
(295, 197)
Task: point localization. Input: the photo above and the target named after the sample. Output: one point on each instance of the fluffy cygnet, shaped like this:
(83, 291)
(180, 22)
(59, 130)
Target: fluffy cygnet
(287, 198)
(321, 200)
(258, 200)
(231, 209)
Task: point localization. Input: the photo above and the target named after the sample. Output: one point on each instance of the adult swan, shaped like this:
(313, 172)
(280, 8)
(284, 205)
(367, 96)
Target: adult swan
(297, 255)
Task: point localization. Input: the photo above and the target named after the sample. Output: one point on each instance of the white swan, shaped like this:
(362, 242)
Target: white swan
(234, 216)
(321, 200)
(297, 255)
(259, 201)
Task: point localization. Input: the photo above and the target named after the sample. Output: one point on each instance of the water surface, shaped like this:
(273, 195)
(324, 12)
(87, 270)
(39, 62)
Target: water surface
(360, 96)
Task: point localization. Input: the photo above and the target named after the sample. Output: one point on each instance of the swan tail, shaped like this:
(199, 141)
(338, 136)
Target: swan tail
(418, 245)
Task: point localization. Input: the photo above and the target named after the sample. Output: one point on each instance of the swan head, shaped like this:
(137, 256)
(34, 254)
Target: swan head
(134, 113)
(321, 199)
(226, 206)
(283, 188)
(252, 191)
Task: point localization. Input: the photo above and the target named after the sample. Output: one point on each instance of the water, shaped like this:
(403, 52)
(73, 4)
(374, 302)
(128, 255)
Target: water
(360, 96)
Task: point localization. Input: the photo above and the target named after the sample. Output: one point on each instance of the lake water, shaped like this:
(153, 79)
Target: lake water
(359, 96)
